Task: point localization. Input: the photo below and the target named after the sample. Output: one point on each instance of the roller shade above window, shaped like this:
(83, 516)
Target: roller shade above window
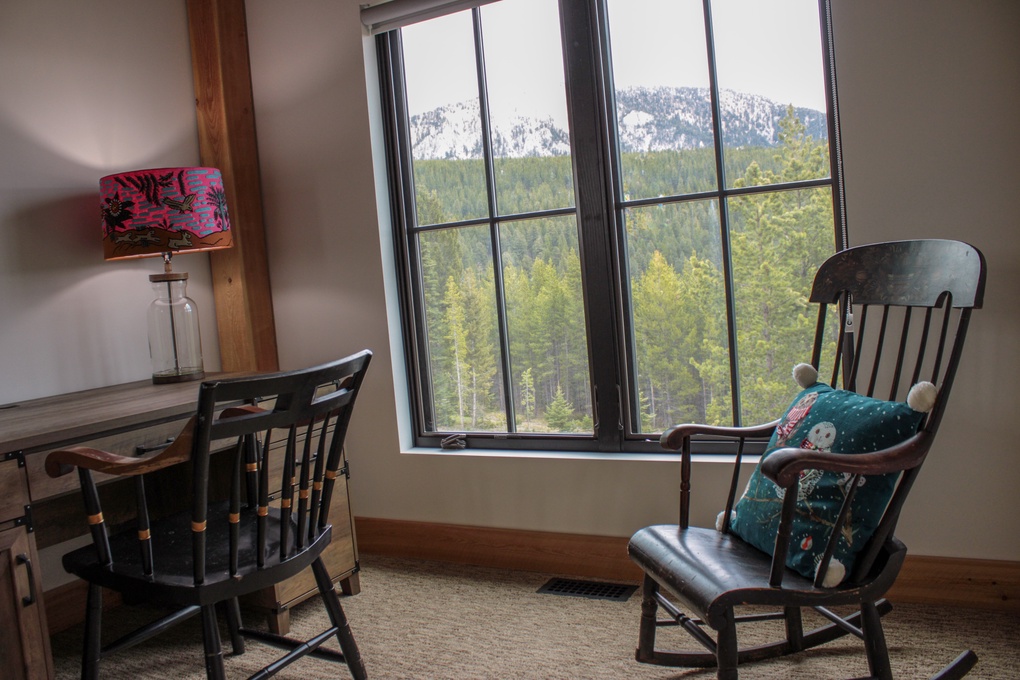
(387, 16)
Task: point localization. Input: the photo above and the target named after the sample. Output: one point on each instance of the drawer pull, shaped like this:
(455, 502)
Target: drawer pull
(30, 599)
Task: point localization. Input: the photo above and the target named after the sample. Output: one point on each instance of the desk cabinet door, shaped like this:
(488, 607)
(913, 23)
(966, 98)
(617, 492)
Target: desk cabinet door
(24, 645)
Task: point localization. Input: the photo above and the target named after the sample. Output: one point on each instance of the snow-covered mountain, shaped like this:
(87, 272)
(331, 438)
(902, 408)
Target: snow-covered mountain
(650, 119)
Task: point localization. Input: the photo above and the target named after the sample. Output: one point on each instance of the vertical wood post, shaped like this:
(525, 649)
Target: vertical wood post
(226, 135)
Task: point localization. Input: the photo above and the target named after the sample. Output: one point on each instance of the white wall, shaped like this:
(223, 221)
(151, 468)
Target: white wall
(89, 89)
(927, 91)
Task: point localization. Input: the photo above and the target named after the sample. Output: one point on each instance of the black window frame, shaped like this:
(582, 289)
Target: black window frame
(599, 206)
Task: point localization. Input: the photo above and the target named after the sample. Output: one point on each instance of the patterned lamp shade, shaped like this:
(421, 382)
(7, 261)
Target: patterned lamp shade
(163, 211)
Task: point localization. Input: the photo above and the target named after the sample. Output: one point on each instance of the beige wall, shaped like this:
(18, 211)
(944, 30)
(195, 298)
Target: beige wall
(929, 98)
(88, 89)
(928, 101)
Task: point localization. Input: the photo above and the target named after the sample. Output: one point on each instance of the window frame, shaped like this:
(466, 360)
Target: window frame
(599, 206)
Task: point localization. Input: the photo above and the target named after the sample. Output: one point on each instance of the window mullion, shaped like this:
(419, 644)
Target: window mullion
(581, 57)
(497, 252)
(403, 210)
(724, 217)
(629, 391)
(832, 104)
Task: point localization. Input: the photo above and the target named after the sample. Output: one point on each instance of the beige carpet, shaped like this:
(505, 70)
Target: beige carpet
(433, 620)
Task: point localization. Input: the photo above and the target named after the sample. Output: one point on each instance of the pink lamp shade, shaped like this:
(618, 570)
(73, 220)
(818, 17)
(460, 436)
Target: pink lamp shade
(163, 211)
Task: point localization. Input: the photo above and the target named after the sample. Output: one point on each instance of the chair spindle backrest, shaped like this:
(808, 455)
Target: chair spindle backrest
(302, 409)
(905, 308)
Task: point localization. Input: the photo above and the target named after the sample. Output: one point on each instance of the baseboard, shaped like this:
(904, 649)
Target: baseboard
(959, 582)
(981, 584)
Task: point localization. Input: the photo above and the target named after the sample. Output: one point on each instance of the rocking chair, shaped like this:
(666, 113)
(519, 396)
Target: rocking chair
(918, 297)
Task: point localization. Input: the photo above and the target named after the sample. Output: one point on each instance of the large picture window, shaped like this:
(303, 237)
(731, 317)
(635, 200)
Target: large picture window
(609, 213)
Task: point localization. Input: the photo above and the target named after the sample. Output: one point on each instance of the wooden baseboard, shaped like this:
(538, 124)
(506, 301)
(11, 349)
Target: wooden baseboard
(981, 584)
(953, 581)
(566, 554)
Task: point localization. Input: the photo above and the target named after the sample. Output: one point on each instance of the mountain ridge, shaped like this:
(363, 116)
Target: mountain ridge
(649, 119)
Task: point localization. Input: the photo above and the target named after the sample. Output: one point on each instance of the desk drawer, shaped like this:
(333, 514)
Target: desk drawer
(13, 491)
(42, 486)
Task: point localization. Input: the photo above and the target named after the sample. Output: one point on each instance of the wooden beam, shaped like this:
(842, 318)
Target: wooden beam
(226, 135)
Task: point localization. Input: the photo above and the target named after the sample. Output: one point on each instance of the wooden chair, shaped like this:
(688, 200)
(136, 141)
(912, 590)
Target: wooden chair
(280, 432)
(911, 302)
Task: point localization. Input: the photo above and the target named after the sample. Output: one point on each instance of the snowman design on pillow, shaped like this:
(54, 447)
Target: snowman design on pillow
(819, 438)
(797, 413)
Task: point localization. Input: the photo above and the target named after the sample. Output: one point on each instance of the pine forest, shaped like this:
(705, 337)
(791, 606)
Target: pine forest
(673, 280)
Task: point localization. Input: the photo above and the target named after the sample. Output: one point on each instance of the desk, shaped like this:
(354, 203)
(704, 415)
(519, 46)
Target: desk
(128, 419)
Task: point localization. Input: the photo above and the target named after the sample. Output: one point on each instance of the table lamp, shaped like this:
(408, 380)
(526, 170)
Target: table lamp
(161, 212)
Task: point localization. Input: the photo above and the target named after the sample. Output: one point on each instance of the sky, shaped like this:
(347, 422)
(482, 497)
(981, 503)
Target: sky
(771, 48)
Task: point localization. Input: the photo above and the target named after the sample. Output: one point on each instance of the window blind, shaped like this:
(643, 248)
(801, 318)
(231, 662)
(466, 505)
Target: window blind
(386, 16)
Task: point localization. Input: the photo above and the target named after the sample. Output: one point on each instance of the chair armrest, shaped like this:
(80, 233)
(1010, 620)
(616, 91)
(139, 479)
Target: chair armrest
(678, 438)
(673, 437)
(63, 461)
(783, 466)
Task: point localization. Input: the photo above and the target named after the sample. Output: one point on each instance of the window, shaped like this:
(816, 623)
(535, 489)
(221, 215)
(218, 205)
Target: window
(601, 240)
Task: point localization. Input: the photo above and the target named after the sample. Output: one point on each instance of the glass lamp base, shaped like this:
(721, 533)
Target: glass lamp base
(175, 343)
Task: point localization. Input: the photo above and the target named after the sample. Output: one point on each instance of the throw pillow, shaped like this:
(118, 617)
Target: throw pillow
(826, 419)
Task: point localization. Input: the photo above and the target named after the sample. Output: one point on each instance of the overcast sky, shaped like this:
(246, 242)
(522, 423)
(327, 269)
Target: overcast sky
(766, 47)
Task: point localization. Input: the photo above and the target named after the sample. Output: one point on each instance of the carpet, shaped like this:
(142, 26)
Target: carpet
(424, 620)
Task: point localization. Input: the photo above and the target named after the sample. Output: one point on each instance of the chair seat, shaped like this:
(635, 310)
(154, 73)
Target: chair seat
(722, 571)
(173, 580)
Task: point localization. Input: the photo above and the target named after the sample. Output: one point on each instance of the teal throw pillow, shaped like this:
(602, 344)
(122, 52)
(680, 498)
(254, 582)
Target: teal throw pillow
(825, 419)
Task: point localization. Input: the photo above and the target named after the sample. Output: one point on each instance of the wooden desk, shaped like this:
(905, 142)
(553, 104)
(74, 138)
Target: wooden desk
(128, 419)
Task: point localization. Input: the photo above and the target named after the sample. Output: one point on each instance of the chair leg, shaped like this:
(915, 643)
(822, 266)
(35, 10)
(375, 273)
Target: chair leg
(93, 628)
(726, 648)
(794, 628)
(649, 609)
(233, 609)
(211, 640)
(348, 646)
(874, 642)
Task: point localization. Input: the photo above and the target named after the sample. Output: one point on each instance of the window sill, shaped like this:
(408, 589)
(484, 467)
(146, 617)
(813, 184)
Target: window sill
(699, 458)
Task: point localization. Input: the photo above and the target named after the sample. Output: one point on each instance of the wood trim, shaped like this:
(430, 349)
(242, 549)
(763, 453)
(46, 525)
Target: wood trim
(955, 581)
(226, 136)
(568, 554)
(980, 584)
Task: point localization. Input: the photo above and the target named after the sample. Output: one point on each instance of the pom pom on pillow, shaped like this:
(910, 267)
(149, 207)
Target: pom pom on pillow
(921, 397)
(806, 375)
(833, 575)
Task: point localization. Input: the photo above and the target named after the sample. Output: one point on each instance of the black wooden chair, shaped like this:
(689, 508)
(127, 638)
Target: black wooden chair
(911, 302)
(279, 434)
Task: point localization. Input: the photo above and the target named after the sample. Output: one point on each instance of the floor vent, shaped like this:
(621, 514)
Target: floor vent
(594, 590)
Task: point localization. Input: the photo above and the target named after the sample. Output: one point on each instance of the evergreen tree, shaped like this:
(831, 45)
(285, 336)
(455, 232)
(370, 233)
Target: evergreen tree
(559, 414)
(455, 335)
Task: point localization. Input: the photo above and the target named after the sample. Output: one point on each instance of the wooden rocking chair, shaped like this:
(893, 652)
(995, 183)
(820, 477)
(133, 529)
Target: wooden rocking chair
(280, 434)
(911, 302)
